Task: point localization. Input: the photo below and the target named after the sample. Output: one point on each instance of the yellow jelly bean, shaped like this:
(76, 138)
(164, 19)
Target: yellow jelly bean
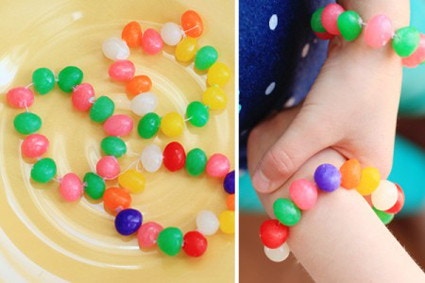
(215, 98)
(218, 74)
(132, 180)
(186, 49)
(172, 124)
(369, 181)
(227, 222)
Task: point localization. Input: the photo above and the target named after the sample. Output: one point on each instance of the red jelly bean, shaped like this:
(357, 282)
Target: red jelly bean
(34, 146)
(116, 199)
(174, 156)
(83, 97)
(132, 34)
(273, 234)
(122, 70)
(400, 202)
(20, 97)
(192, 23)
(194, 244)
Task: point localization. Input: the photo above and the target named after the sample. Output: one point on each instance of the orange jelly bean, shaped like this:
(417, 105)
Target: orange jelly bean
(138, 84)
(192, 23)
(230, 202)
(132, 34)
(351, 172)
(116, 199)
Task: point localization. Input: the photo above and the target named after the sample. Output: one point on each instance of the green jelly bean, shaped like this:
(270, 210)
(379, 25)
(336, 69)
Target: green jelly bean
(316, 21)
(196, 161)
(149, 125)
(286, 211)
(197, 113)
(406, 41)
(69, 77)
(94, 185)
(43, 80)
(44, 170)
(102, 109)
(385, 217)
(27, 123)
(350, 25)
(205, 57)
(114, 146)
(170, 241)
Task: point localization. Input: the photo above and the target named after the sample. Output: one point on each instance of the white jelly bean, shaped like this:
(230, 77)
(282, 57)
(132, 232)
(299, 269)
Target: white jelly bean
(171, 33)
(144, 103)
(151, 158)
(115, 48)
(207, 222)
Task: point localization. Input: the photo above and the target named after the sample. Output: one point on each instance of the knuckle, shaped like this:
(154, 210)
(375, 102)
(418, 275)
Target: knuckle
(279, 161)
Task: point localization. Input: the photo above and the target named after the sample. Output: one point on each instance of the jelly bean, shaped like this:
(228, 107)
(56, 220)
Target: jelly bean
(196, 161)
(102, 109)
(115, 200)
(396, 208)
(385, 217)
(151, 158)
(132, 34)
(194, 244)
(69, 77)
(174, 156)
(170, 240)
(229, 182)
(197, 114)
(186, 49)
(94, 185)
(122, 70)
(83, 97)
(44, 170)
(385, 196)
(114, 146)
(349, 25)
(218, 165)
(303, 193)
(43, 80)
(369, 181)
(418, 56)
(147, 234)
(406, 41)
(118, 125)
(34, 146)
(128, 221)
(378, 31)
(144, 103)
(218, 74)
(207, 222)
(316, 21)
(273, 234)
(286, 212)
(133, 181)
(149, 125)
(138, 84)
(230, 202)
(324, 35)
(171, 34)
(172, 124)
(350, 173)
(20, 97)
(327, 177)
(192, 23)
(215, 98)
(27, 123)
(115, 49)
(108, 167)
(279, 254)
(71, 188)
(205, 58)
(152, 42)
(330, 15)
(227, 222)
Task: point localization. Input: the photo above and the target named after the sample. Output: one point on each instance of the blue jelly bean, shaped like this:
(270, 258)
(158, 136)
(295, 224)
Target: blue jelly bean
(229, 182)
(327, 177)
(128, 221)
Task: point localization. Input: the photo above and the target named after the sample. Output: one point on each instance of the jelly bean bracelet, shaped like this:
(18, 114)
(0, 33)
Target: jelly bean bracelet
(138, 87)
(385, 198)
(333, 20)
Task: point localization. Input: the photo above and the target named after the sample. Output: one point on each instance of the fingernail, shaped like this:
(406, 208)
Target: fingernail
(260, 181)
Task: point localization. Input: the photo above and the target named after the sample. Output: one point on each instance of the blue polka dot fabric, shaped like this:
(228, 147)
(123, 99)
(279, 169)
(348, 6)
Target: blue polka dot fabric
(279, 59)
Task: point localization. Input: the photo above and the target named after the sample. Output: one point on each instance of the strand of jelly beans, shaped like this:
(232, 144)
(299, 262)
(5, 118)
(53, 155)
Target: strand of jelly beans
(333, 20)
(385, 197)
(138, 87)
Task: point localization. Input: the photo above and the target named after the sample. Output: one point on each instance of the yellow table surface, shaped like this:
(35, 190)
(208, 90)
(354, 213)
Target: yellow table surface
(44, 239)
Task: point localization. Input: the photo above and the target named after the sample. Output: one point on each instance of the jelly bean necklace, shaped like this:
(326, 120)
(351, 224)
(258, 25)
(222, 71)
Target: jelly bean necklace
(117, 198)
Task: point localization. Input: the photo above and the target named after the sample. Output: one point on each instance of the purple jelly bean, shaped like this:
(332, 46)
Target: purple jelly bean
(128, 221)
(327, 177)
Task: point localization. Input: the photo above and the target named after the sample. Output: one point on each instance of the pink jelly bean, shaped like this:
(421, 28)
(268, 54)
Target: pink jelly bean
(20, 97)
(122, 70)
(303, 193)
(418, 56)
(330, 16)
(34, 146)
(118, 125)
(378, 31)
(71, 188)
(83, 97)
(218, 165)
(147, 234)
(152, 42)
(108, 167)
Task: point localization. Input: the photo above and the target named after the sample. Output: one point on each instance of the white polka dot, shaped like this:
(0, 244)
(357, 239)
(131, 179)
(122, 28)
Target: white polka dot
(290, 102)
(305, 50)
(270, 88)
(273, 22)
